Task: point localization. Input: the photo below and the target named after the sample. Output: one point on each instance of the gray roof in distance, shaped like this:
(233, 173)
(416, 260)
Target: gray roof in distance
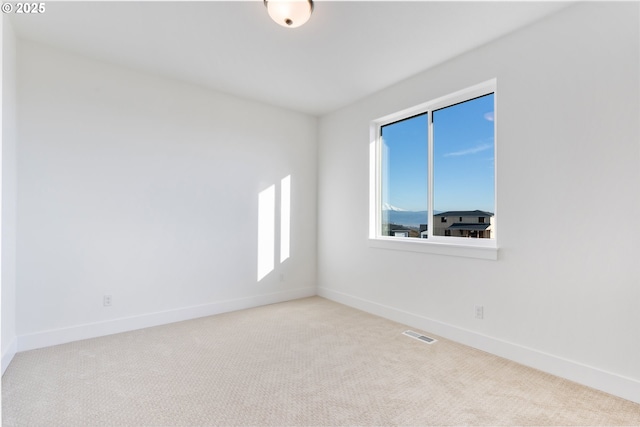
(465, 213)
(468, 227)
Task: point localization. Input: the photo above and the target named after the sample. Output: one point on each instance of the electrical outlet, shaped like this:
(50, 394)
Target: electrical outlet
(106, 300)
(479, 312)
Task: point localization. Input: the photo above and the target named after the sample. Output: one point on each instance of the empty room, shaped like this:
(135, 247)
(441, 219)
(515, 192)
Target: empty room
(293, 213)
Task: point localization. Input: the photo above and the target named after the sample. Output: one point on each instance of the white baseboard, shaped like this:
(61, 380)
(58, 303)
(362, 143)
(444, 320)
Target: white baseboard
(99, 329)
(8, 353)
(626, 388)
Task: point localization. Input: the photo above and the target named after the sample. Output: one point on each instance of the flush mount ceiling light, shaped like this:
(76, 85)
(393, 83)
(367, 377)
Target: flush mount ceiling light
(289, 13)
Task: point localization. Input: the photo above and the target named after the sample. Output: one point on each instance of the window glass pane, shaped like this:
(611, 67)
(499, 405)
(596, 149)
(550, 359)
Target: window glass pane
(404, 177)
(463, 169)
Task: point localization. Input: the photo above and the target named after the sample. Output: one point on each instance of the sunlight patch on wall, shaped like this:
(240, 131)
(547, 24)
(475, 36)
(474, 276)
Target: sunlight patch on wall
(285, 217)
(266, 231)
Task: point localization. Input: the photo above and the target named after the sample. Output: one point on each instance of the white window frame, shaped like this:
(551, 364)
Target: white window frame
(442, 245)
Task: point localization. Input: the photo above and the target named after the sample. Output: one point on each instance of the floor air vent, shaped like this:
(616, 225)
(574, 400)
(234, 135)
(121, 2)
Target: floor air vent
(420, 337)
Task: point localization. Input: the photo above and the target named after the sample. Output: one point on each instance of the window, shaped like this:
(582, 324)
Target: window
(437, 160)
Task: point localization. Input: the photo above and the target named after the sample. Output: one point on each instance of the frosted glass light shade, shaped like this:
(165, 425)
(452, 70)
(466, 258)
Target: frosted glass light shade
(289, 13)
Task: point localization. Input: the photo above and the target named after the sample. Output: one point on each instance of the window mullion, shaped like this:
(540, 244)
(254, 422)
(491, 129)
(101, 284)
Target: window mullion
(430, 220)
(378, 195)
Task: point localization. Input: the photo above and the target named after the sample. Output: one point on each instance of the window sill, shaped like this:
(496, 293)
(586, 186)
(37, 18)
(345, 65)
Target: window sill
(437, 248)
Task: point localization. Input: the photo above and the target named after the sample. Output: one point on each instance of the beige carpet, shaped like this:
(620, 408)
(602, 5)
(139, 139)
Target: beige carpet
(305, 362)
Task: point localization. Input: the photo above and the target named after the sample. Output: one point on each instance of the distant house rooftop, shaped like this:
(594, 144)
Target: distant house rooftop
(396, 227)
(468, 227)
(465, 213)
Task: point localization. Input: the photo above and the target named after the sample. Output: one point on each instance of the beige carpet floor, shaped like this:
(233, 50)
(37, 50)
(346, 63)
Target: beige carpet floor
(308, 362)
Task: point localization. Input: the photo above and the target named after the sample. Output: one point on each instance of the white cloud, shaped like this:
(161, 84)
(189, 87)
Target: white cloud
(489, 116)
(472, 150)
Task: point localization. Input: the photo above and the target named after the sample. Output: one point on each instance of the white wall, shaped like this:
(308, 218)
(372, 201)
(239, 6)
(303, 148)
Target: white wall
(9, 197)
(563, 295)
(146, 189)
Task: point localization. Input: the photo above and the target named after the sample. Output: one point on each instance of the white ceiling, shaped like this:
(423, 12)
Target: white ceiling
(349, 49)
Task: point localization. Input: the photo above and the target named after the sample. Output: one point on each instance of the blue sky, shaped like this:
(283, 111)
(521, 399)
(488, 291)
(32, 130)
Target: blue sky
(463, 159)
